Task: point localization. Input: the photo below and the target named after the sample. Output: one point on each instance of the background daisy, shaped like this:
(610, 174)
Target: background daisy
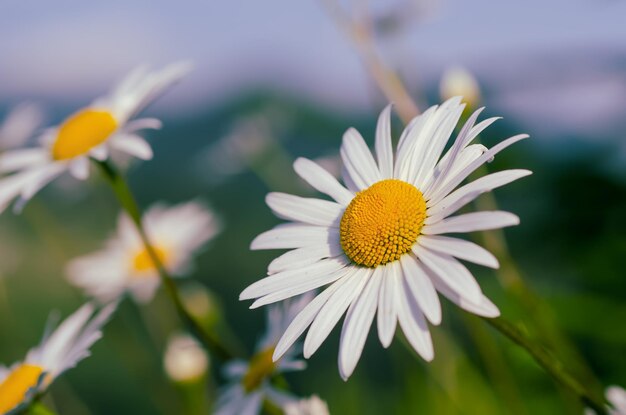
(177, 233)
(92, 132)
(58, 352)
(379, 242)
(249, 381)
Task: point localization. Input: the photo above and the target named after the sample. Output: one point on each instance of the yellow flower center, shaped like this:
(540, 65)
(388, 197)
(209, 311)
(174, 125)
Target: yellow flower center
(143, 262)
(14, 388)
(261, 367)
(81, 132)
(382, 222)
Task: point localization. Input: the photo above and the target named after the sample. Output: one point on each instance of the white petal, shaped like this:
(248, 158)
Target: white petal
(388, 302)
(470, 222)
(134, 145)
(142, 124)
(304, 319)
(422, 289)
(482, 307)
(301, 257)
(384, 150)
(408, 141)
(443, 167)
(79, 168)
(100, 152)
(414, 325)
(39, 178)
(334, 308)
(293, 235)
(322, 180)
(460, 248)
(358, 160)
(431, 151)
(617, 398)
(465, 194)
(461, 175)
(19, 159)
(306, 210)
(357, 325)
(291, 278)
(451, 271)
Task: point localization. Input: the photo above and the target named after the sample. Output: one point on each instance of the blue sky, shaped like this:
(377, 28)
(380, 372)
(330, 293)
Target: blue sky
(525, 53)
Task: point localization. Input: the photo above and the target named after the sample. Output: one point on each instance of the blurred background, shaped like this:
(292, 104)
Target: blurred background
(282, 79)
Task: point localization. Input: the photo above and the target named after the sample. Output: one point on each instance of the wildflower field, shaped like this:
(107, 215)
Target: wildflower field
(312, 208)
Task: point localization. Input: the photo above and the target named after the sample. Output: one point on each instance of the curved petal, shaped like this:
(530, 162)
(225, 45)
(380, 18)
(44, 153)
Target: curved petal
(414, 325)
(134, 145)
(357, 325)
(322, 181)
(334, 308)
(470, 222)
(459, 248)
(420, 286)
(300, 257)
(387, 302)
(358, 160)
(15, 160)
(306, 210)
(384, 150)
(294, 235)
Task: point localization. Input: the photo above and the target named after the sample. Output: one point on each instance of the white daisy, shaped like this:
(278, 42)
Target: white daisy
(19, 125)
(250, 380)
(379, 243)
(310, 406)
(616, 396)
(58, 352)
(177, 233)
(93, 131)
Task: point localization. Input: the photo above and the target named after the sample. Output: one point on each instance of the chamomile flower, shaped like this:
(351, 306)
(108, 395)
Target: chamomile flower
(250, 380)
(93, 132)
(19, 126)
(379, 244)
(58, 352)
(177, 233)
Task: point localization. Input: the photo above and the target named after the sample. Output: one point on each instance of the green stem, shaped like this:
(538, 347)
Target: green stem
(549, 363)
(37, 408)
(127, 200)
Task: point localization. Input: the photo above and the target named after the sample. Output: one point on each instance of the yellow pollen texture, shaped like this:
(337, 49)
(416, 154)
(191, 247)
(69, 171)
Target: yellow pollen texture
(261, 367)
(14, 388)
(143, 262)
(382, 222)
(81, 132)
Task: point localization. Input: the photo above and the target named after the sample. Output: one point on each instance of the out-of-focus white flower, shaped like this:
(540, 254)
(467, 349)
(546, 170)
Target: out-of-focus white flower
(311, 406)
(616, 395)
(177, 233)
(58, 352)
(185, 360)
(458, 81)
(20, 125)
(250, 140)
(379, 244)
(92, 132)
(250, 380)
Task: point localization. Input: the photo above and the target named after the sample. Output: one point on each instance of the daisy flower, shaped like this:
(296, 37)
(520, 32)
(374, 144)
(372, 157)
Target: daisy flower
(250, 380)
(177, 233)
(106, 124)
(379, 244)
(617, 399)
(19, 125)
(58, 352)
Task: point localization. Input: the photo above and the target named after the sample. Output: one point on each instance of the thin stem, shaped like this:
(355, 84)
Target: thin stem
(37, 408)
(388, 81)
(127, 200)
(549, 363)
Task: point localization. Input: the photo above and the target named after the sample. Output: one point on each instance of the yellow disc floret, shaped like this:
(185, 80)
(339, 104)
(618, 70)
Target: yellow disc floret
(143, 262)
(382, 222)
(262, 366)
(81, 132)
(15, 386)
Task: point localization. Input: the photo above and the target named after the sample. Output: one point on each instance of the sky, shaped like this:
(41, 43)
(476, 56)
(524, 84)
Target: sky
(540, 60)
